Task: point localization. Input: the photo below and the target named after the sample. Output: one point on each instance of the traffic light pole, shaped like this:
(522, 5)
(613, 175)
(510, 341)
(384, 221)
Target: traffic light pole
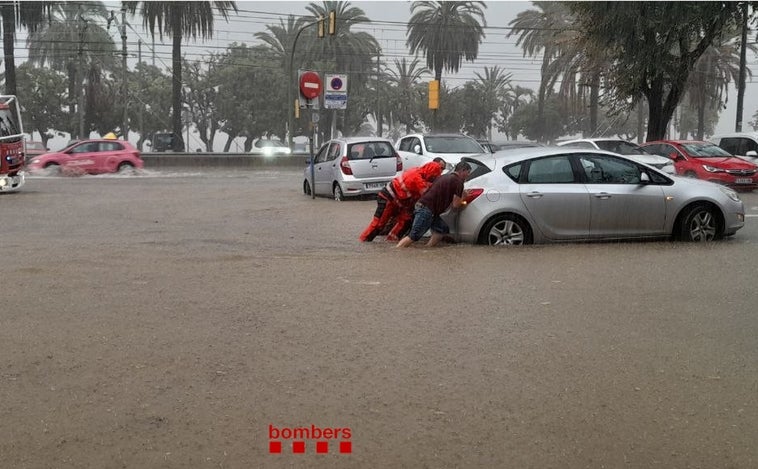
(332, 16)
(290, 72)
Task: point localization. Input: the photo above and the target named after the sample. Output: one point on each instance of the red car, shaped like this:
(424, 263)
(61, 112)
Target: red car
(90, 157)
(704, 160)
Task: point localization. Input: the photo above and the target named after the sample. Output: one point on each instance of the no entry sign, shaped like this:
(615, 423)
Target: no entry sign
(310, 85)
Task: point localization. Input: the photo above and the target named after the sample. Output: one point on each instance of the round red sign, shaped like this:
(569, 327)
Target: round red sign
(310, 84)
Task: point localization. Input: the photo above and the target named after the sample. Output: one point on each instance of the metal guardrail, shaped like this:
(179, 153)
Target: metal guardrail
(222, 160)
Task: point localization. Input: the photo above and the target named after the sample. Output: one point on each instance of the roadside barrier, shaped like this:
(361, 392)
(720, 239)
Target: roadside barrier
(222, 160)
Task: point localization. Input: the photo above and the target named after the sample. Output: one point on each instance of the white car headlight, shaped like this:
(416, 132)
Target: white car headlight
(730, 193)
(711, 169)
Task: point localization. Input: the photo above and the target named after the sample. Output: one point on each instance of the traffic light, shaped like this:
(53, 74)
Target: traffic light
(434, 94)
(297, 109)
(321, 27)
(332, 23)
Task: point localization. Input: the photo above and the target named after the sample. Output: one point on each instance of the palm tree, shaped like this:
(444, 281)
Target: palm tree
(407, 94)
(281, 40)
(714, 71)
(515, 98)
(446, 33)
(177, 19)
(493, 86)
(29, 15)
(74, 42)
(538, 31)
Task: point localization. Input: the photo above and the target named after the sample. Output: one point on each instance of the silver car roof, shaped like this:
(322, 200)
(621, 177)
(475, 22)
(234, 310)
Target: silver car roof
(512, 155)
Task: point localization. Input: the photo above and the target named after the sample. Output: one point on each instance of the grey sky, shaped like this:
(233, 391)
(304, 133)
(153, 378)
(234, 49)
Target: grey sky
(388, 27)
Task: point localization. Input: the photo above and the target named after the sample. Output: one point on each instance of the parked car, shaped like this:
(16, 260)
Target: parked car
(704, 160)
(33, 149)
(419, 149)
(553, 194)
(511, 144)
(352, 166)
(742, 145)
(623, 147)
(268, 147)
(90, 157)
(164, 141)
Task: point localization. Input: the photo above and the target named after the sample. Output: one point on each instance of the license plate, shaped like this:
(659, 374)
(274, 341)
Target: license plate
(375, 185)
(743, 181)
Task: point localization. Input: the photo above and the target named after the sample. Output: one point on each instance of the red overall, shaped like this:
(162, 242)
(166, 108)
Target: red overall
(397, 199)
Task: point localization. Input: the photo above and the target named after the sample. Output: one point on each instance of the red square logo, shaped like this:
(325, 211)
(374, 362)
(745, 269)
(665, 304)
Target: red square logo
(274, 446)
(346, 446)
(298, 447)
(322, 447)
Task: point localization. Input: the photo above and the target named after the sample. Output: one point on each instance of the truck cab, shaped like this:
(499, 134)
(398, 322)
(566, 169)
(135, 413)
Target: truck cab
(11, 145)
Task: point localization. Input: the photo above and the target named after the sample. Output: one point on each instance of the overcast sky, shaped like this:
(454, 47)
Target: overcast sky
(388, 26)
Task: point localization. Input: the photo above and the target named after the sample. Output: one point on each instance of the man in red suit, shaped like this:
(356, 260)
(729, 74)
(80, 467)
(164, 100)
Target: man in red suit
(396, 200)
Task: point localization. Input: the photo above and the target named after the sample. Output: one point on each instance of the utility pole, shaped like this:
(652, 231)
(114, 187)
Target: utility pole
(741, 85)
(141, 71)
(124, 88)
(82, 35)
(379, 120)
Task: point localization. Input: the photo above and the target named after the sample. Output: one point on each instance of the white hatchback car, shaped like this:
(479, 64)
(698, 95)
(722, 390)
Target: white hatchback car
(741, 145)
(352, 166)
(623, 147)
(419, 149)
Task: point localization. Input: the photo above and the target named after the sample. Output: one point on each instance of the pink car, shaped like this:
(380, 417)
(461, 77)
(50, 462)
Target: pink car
(90, 157)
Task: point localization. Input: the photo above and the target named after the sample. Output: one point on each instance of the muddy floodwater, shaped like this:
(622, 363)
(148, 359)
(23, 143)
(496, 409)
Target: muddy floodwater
(196, 319)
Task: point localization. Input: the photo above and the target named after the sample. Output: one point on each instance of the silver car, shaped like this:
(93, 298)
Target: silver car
(352, 166)
(552, 194)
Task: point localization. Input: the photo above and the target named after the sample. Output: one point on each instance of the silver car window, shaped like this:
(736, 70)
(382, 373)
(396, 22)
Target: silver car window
(605, 169)
(321, 156)
(550, 170)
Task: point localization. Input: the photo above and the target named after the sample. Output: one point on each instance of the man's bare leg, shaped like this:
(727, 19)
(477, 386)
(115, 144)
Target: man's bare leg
(436, 238)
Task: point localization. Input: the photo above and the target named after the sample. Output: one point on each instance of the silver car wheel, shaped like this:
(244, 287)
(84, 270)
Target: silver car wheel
(506, 229)
(338, 196)
(505, 232)
(702, 226)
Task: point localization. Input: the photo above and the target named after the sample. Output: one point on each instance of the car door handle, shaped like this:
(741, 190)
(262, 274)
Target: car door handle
(534, 195)
(602, 195)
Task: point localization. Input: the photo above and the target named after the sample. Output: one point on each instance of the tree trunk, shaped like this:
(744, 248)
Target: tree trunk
(594, 101)
(177, 80)
(9, 30)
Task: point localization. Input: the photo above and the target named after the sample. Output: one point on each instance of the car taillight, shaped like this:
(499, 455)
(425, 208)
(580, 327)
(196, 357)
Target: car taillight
(473, 194)
(399, 165)
(345, 166)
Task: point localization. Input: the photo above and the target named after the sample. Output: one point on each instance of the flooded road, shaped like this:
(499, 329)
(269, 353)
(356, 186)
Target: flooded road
(175, 319)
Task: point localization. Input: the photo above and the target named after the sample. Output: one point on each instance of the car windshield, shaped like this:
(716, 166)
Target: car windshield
(621, 147)
(453, 144)
(163, 138)
(368, 150)
(704, 150)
